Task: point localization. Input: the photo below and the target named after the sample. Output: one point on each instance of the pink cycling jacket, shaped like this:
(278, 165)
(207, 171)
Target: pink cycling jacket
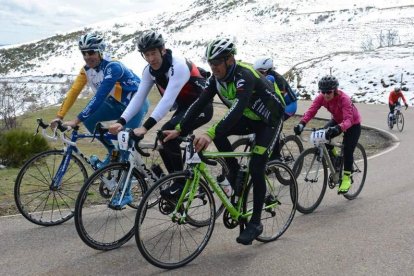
(343, 111)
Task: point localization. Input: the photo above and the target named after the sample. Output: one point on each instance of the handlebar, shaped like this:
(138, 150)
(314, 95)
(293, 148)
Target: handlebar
(190, 146)
(307, 129)
(59, 127)
(136, 139)
(101, 130)
(318, 140)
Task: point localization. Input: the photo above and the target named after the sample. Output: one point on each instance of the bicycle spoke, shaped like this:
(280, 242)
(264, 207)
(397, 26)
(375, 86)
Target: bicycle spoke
(100, 222)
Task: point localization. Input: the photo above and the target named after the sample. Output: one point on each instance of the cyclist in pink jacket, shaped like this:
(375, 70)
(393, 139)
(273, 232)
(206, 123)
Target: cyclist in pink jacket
(345, 118)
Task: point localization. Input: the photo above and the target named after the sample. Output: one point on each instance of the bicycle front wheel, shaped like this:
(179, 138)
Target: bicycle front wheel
(359, 172)
(400, 121)
(311, 173)
(40, 203)
(279, 205)
(101, 222)
(170, 240)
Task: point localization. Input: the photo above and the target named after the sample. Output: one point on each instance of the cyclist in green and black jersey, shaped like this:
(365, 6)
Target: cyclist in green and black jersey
(254, 108)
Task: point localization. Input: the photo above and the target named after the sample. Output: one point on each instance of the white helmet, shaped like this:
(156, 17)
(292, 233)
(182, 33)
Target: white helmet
(91, 42)
(221, 47)
(264, 64)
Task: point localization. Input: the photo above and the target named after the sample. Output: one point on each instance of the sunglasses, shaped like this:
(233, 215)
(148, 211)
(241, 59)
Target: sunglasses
(89, 52)
(263, 72)
(216, 62)
(327, 92)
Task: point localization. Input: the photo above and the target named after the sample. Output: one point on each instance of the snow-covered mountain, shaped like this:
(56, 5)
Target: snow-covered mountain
(306, 38)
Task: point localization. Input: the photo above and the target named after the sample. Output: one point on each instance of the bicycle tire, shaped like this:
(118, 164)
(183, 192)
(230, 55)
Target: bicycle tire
(246, 145)
(156, 233)
(36, 200)
(154, 159)
(290, 149)
(281, 197)
(310, 189)
(100, 224)
(400, 121)
(358, 177)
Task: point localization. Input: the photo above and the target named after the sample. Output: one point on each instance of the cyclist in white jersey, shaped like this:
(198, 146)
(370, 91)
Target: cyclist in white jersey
(179, 83)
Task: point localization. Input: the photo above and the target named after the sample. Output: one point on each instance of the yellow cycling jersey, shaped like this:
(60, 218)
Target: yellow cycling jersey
(107, 79)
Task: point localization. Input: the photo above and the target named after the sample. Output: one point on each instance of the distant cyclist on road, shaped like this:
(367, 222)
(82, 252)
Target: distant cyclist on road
(345, 118)
(394, 99)
(114, 86)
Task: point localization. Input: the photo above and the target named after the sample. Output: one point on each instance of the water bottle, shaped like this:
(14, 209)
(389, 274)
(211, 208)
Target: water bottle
(225, 185)
(94, 160)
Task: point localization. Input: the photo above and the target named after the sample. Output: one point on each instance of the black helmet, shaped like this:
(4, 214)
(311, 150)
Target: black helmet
(327, 83)
(397, 89)
(150, 40)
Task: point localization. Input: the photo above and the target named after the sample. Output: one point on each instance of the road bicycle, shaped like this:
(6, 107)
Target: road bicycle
(396, 118)
(48, 184)
(102, 221)
(315, 169)
(172, 233)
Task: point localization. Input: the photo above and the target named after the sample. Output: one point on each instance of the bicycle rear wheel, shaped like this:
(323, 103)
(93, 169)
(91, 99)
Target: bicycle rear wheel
(400, 121)
(290, 149)
(154, 161)
(311, 173)
(243, 145)
(162, 237)
(280, 202)
(99, 221)
(359, 172)
(34, 197)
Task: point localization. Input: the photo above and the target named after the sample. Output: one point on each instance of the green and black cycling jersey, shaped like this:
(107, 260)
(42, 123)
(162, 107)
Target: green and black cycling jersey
(246, 93)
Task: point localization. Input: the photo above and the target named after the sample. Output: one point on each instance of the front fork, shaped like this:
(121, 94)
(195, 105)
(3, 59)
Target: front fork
(192, 183)
(64, 164)
(124, 179)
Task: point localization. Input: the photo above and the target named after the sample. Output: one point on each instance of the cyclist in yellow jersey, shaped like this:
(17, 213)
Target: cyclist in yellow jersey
(113, 83)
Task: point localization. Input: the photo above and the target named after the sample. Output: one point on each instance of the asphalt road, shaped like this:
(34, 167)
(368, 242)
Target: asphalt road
(371, 235)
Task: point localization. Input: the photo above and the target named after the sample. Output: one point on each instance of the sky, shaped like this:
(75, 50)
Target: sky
(28, 20)
(360, 73)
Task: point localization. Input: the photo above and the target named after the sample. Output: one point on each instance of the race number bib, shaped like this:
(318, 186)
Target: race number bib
(123, 138)
(318, 137)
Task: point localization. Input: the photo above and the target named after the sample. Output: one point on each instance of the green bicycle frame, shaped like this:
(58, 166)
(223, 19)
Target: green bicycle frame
(192, 184)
